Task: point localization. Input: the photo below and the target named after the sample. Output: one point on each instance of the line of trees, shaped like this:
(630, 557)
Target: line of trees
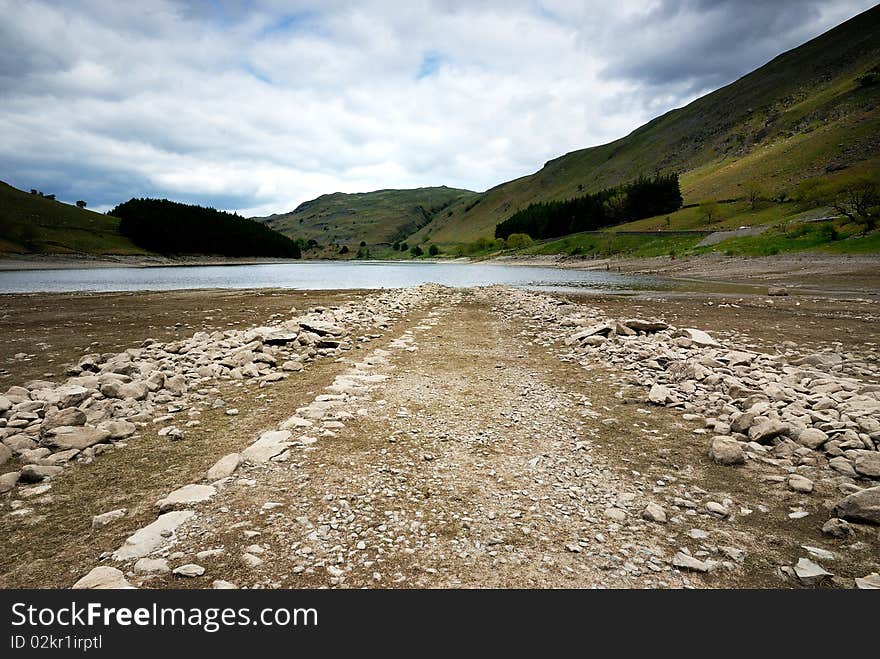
(644, 197)
(169, 227)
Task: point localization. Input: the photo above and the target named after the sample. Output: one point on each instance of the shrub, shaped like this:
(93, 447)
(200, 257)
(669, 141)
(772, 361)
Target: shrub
(416, 251)
(433, 250)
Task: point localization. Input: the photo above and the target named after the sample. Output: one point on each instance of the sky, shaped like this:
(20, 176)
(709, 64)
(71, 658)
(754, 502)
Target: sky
(258, 105)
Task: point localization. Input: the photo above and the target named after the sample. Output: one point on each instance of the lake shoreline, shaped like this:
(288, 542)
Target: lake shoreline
(807, 272)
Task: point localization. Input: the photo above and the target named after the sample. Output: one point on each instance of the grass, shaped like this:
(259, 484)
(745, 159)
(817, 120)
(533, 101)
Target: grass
(33, 224)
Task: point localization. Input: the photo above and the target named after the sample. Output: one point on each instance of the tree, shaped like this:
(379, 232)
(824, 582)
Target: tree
(403, 247)
(416, 251)
(396, 247)
(80, 204)
(860, 202)
(518, 240)
(363, 243)
(711, 211)
(344, 249)
(433, 250)
(754, 193)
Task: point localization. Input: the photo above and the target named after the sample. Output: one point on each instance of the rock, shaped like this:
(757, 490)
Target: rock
(130, 390)
(812, 438)
(321, 328)
(296, 422)
(146, 540)
(726, 451)
(654, 513)
(775, 292)
(102, 520)
(842, 466)
(5, 404)
(118, 429)
(867, 463)
(810, 574)
(869, 582)
(863, 506)
(615, 514)
(837, 528)
(647, 326)
(224, 467)
(151, 566)
(659, 394)
(176, 385)
(219, 584)
(250, 560)
(8, 481)
(269, 445)
(70, 416)
(36, 473)
(700, 338)
(686, 562)
(189, 570)
(67, 437)
(769, 429)
(818, 552)
(102, 578)
(292, 366)
(800, 483)
(5, 454)
(186, 496)
(65, 396)
(717, 509)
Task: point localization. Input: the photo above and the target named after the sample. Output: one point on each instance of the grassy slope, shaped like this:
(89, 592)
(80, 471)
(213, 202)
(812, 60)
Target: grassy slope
(32, 224)
(794, 118)
(377, 217)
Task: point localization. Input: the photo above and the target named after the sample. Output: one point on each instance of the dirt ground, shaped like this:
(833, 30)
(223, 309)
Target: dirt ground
(494, 474)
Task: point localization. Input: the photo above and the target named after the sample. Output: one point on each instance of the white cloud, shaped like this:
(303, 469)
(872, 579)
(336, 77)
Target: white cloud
(259, 106)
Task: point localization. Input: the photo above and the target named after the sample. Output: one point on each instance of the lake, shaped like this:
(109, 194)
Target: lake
(339, 275)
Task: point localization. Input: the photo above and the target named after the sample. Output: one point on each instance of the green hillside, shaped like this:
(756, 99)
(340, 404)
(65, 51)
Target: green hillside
(30, 223)
(810, 112)
(376, 218)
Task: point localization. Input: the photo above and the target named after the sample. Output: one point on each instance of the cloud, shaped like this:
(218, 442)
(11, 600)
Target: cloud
(258, 105)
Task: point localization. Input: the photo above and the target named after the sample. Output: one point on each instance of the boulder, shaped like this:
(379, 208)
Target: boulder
(687, 562)
(269, 445)
(69, 416)
(5, 404)
(862, 506)
(81, 437)
(809, 573)
(800, 483)
(189, 570)
(151, 566)
(321, 328)
(186, 496)
(5, 454)
(8, 481)
(654, 513)
(647, 326)
(118, 429)
(36, 473)
(726, 451)
(104, 519)
(837, 528)
(867, 463)
(700, 338)
(131, 390)
(660, 395)
(224, 467)
(148, 539)
(767, 430)
(812, 438)
(176, 385)
(102, 578)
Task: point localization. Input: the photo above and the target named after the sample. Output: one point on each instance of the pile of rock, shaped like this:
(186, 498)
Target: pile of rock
(786, 410)
(109, 397)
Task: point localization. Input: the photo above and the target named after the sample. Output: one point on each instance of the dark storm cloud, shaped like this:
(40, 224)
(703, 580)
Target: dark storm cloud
(704, 44)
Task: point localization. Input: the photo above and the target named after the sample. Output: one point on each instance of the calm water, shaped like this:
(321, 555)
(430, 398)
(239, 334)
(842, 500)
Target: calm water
(330, 275)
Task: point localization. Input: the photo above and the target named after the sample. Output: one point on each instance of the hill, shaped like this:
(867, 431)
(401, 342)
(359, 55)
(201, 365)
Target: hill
(376, 218)
(810, 112)
(30, 223)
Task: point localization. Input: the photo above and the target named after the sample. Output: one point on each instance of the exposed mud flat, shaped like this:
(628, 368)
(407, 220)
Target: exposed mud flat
(439, 437)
